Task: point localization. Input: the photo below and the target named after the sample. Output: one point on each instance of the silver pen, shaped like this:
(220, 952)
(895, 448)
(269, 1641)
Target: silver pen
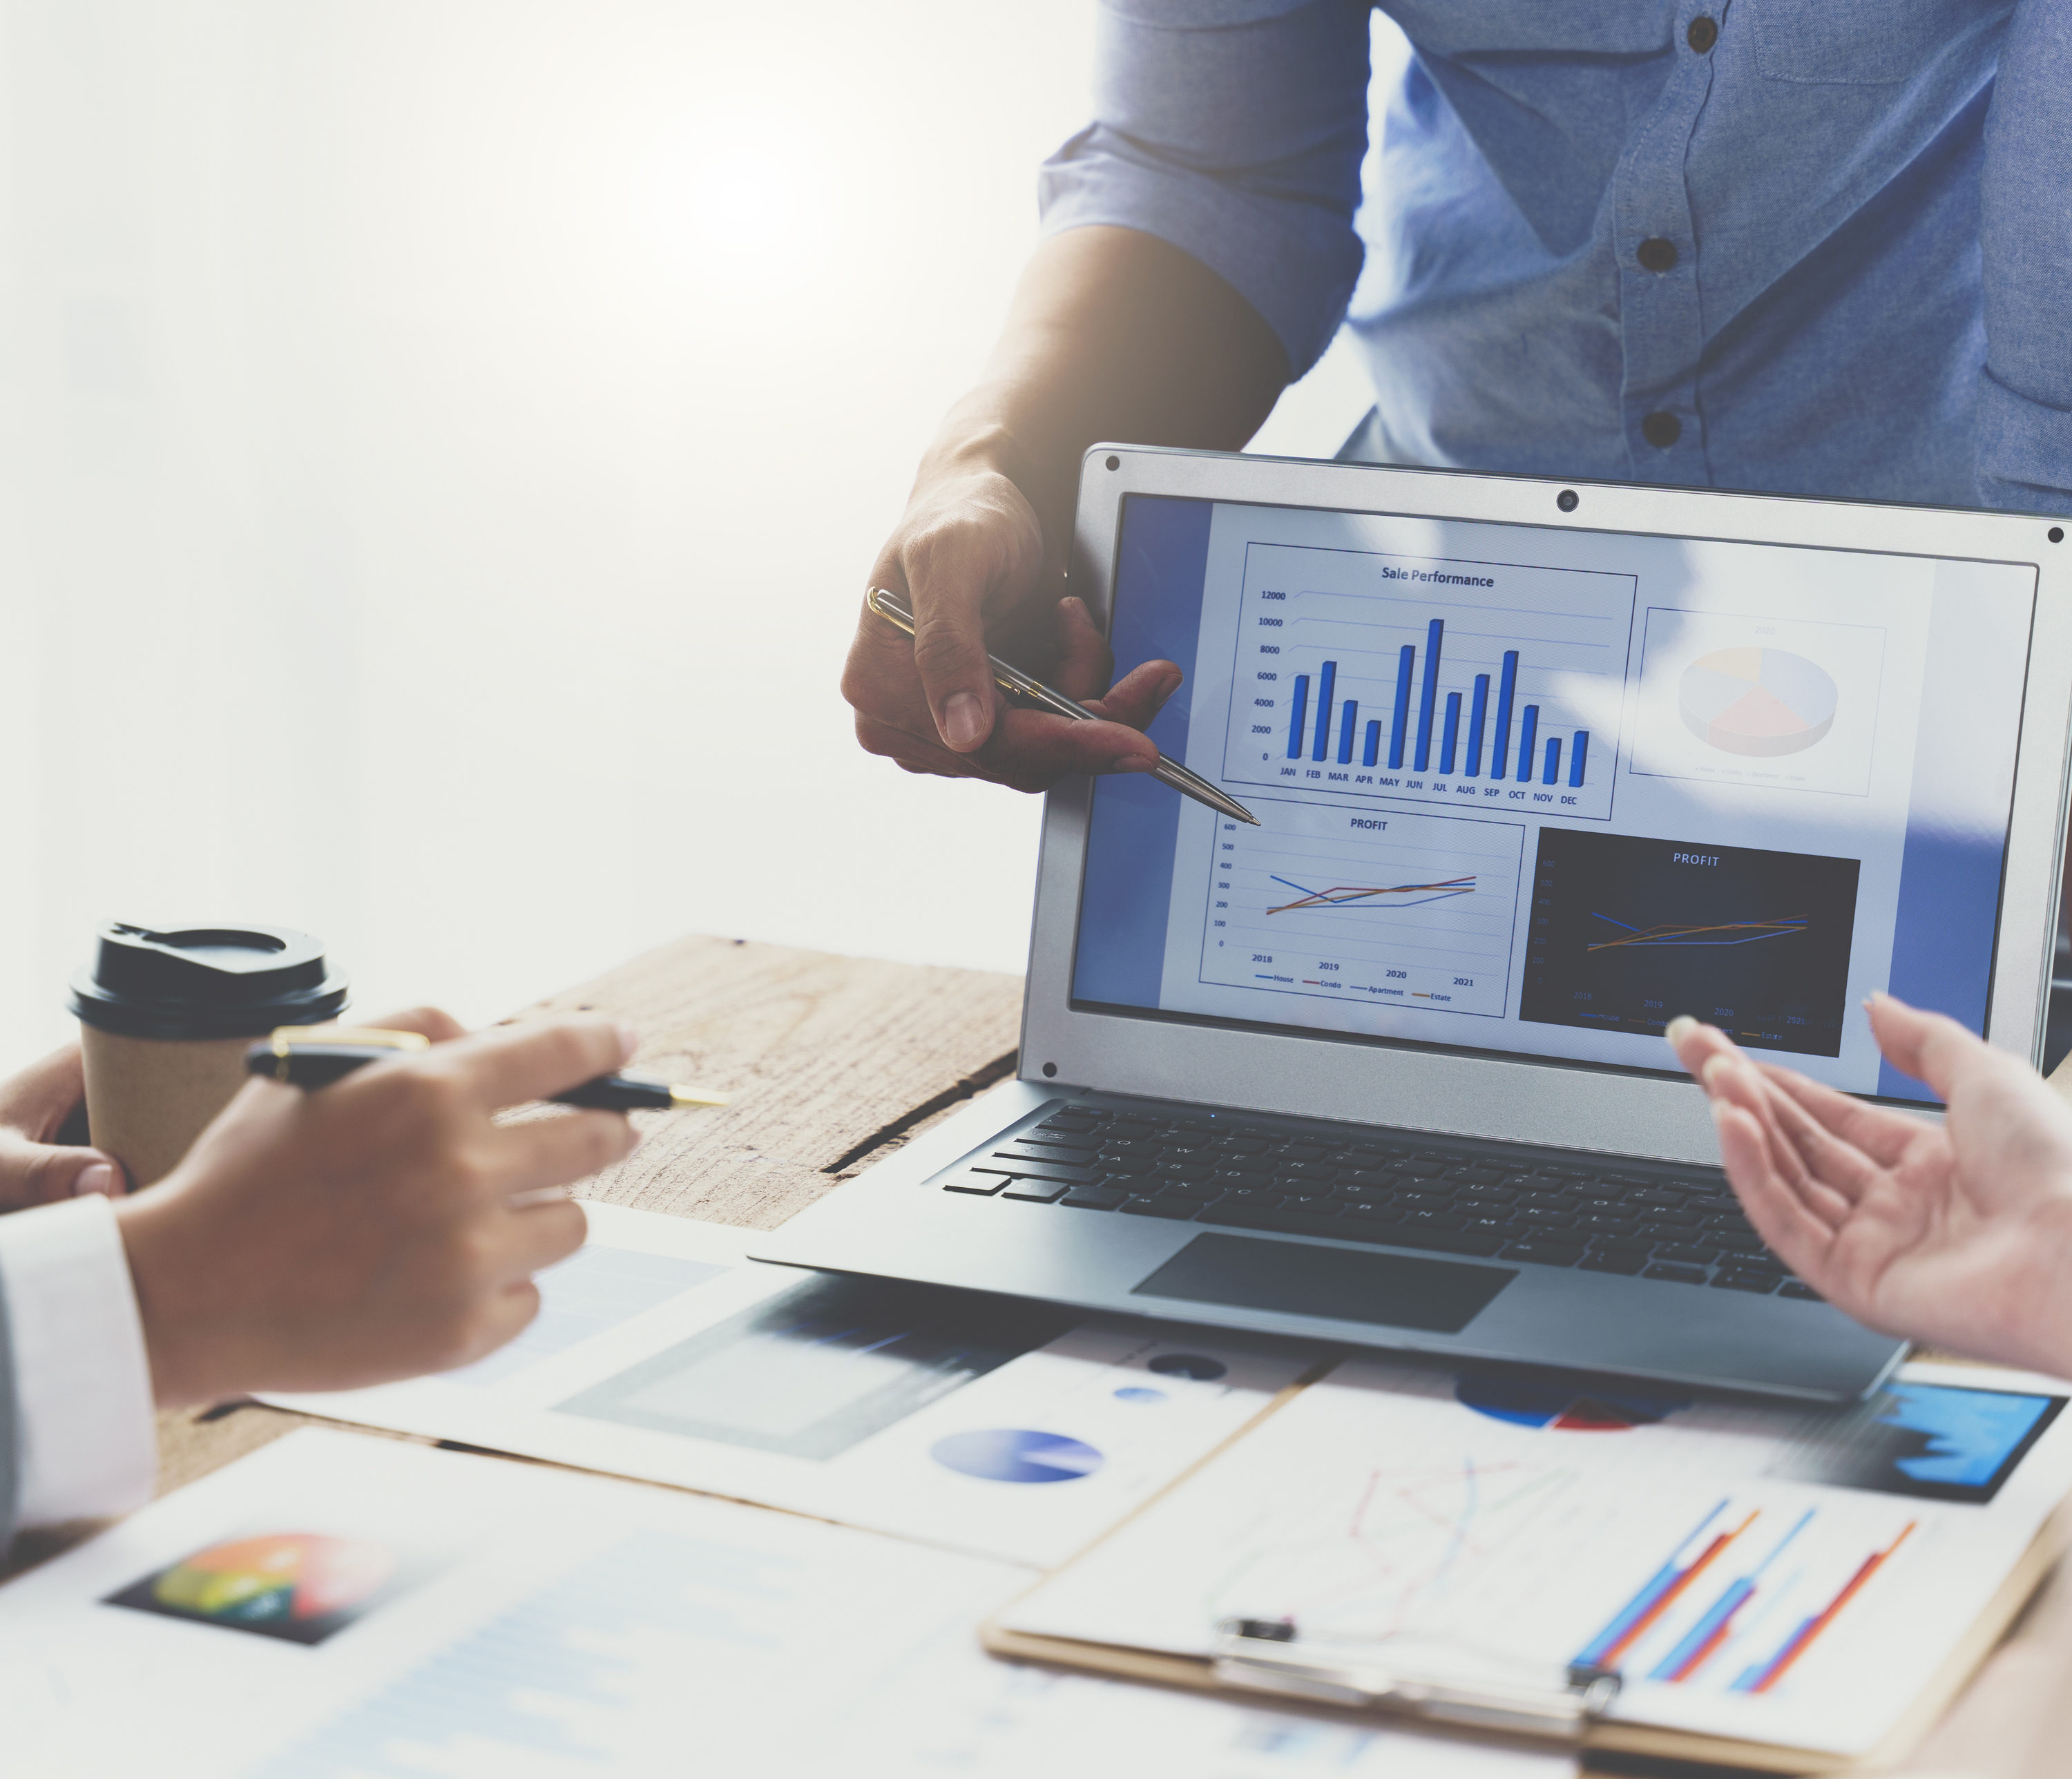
(893, 610)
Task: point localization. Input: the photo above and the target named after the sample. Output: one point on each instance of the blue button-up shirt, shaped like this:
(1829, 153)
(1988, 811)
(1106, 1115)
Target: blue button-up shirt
(1857, 214)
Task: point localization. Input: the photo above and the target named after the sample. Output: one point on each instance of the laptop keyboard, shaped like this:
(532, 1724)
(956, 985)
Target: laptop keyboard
(1392, 1189)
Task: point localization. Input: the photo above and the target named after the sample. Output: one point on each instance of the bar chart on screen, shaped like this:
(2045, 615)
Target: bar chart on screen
(1394, 909)
(1367, 676)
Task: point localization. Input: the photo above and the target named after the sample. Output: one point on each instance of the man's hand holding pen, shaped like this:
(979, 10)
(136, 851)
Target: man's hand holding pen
(968, 557)
(1019, 682)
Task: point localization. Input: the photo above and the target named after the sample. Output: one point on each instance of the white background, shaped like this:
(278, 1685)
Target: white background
(442, 446)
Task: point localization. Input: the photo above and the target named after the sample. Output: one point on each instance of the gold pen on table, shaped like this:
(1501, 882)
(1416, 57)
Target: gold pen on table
(892, 608)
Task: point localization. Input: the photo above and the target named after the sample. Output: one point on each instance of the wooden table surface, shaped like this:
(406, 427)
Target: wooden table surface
(830, 1063)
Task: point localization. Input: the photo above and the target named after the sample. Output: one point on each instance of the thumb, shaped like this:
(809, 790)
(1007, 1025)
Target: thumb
(950, 655)
(41, 1173)
(1931, 1047)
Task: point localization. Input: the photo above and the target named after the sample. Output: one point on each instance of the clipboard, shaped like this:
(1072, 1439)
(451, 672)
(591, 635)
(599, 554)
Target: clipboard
(1257, 1662)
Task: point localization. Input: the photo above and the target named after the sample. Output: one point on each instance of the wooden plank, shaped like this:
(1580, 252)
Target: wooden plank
(825, 1059)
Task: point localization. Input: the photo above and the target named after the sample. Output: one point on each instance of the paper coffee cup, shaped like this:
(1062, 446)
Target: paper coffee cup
(165, 1019)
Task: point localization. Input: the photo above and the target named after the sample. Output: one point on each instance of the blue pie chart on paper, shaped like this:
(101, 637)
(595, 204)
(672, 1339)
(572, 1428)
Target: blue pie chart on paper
(1008, 1454)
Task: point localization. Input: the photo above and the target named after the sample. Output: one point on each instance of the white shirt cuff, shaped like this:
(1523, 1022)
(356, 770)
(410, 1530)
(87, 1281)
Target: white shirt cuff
(82, 1380)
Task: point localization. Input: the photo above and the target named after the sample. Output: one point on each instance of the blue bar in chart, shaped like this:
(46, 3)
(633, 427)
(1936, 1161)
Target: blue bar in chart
(1552, 775)
(1406, 664)
(1435, 635)
(1300, 721)
(1475, 719)
(1324, 688)
(1414, 697)
(1500, 755)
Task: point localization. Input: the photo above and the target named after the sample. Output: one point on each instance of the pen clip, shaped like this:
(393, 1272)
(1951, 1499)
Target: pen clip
(1428, 1679)
(889, 606)
(282, 1036)
(281, 1041)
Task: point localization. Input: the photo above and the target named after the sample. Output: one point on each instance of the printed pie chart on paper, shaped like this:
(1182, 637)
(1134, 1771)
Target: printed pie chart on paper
(1760, 701)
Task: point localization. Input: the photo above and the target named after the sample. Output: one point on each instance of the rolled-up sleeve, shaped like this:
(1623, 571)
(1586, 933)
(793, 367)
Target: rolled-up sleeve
(2024, 449)
(1234, 131)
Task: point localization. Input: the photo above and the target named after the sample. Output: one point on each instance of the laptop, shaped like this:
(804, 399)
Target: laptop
(1537, 766)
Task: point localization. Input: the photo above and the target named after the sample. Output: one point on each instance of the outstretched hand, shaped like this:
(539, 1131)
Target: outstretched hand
(1958, 1233)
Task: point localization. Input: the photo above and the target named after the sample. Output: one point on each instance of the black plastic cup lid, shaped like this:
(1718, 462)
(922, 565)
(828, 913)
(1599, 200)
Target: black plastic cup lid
(205, 982)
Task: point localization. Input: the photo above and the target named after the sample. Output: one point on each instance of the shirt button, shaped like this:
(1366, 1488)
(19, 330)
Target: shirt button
(1702, 34)
(1661, 430)
(1656, 254)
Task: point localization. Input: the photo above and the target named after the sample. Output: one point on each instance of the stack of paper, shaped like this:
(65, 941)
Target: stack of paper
(336, 1606)
(662, 1352)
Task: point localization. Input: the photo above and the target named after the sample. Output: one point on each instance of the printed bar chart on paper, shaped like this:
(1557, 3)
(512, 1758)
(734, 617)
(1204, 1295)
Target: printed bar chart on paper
(1409, 909)
(1384, 676)
(1749, 1594)
(1526, 1519)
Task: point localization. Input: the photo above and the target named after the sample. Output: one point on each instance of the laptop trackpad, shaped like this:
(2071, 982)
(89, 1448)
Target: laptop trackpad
(1295, 1279)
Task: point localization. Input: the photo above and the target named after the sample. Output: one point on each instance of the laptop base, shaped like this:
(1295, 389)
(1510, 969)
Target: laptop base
(1569, 1284)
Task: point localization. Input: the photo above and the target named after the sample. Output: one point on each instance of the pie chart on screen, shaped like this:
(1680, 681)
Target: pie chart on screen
(1759, 702)
(1008, 1454)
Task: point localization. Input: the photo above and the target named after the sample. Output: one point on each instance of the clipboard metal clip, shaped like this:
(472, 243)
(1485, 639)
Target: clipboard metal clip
(1443, 1682)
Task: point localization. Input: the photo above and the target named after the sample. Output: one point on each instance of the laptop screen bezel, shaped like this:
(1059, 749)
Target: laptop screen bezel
(1512, 1097)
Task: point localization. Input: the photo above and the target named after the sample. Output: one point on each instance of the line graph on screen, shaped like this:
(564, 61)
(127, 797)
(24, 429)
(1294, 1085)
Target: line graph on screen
(1346, 895)
(1732, 932)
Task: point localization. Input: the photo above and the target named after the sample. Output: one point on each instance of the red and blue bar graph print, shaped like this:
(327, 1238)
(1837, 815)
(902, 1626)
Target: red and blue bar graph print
(1759, 1676)
(1664, 1588)
(1699, 1644)
(1759, 1586)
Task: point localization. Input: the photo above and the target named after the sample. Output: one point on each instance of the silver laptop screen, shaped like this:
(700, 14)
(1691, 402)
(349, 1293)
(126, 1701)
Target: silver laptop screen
(1538, 791)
